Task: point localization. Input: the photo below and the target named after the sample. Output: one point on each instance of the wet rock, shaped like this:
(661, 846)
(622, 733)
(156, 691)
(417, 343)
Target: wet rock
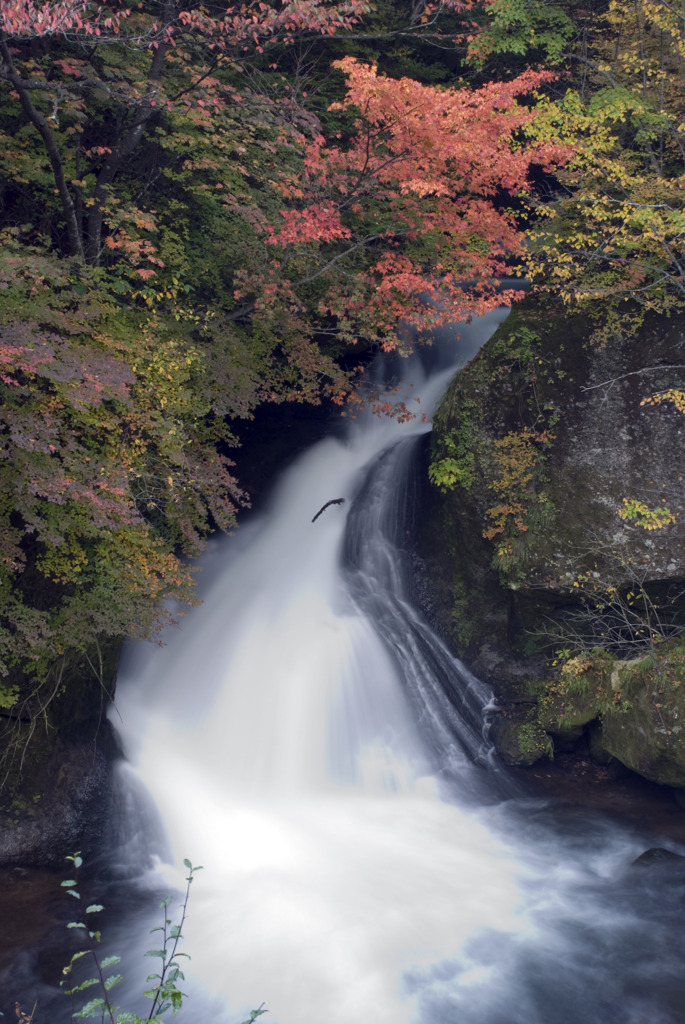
(598, 752)
(60, 809)
(646, 733)
(503, 561)
(55, 762)
(518, 740)
(659, 856)
(538, 370)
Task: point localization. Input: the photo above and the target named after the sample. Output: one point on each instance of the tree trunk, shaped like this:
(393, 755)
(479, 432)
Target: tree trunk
(124, 147)
(39, 121)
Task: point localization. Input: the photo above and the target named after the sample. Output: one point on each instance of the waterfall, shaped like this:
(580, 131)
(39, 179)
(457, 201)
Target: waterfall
(307, 738)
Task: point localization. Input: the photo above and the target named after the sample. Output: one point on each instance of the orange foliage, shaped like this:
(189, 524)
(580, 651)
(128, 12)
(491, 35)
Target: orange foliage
(416, 193)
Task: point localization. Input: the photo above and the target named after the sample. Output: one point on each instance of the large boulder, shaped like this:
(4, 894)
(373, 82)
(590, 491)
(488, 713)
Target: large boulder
(543, 449)
(56, 750)
(646, 729)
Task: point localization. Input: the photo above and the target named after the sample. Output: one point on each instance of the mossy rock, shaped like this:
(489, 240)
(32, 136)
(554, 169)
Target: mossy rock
(646, 731)
(567, 715)
(540, 373)
(580, 693)
(497, 593)
(632, 710)
(519, 741)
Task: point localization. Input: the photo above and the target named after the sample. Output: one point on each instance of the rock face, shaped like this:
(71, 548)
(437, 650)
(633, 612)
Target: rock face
(68, 813)
(56, 749)
(647, 733)
(552, 469)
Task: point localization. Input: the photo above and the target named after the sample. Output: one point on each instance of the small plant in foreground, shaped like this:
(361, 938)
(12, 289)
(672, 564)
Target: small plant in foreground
(164, 990)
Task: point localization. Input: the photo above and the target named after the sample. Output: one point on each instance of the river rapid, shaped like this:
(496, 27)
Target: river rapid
(307, 738)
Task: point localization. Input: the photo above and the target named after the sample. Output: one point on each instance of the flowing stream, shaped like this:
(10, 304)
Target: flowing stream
(306, 737)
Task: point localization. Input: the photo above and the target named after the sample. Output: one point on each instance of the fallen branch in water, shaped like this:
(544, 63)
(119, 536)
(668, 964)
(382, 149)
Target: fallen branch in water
(333, 501)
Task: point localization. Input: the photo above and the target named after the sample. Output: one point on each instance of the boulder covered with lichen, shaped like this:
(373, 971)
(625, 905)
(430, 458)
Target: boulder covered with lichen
(554, 528)
(645, 729)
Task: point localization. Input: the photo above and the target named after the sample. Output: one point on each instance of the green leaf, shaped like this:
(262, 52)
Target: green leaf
(85, 984)
(75, 924)
(91, 1009)
(77, 956)
(156, 952)
(94, 908)
(191, 867)
(109, 961)
(255, 1013)
(113, 980)
(67, 882)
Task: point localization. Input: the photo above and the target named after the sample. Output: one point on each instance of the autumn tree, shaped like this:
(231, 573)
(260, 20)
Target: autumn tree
(402, 218)
(609, 237)
(171, 54)
(185, 236)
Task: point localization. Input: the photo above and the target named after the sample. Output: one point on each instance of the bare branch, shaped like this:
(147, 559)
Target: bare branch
(634, 373)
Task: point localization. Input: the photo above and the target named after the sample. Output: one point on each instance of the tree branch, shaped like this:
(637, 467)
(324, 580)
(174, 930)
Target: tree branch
(39, 121)
(125, 146)
(634, 373)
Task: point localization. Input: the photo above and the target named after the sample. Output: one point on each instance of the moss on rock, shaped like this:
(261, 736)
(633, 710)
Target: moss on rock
(633, 711)
(520, 740)
(536, 445)
(645, 730)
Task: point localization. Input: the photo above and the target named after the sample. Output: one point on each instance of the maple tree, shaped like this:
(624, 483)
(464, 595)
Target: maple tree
(400, 220)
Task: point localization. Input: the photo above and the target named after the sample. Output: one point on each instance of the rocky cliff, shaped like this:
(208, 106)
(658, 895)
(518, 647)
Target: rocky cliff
(555, 535)
(56, 750)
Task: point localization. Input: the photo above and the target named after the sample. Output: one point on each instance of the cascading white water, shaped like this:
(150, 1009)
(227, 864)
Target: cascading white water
(308, 740)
